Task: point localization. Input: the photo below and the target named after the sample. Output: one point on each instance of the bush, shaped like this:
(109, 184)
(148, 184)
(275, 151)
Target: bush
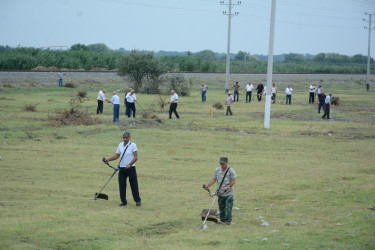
(139, 65)
(30, 107)
(335, 101)
(152, 86)
(218, 105)
(76, 115)
(69, 85)
(82, 94)
(178, 83)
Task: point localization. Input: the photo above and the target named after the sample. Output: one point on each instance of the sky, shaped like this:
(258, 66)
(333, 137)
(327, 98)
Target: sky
(301, 26)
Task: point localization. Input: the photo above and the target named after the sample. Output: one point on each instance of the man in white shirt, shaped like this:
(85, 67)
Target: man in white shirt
(327, 104)
(60, 78)
(249, 88)
(288, 92)
(203, 91)
(115, 100)
(312, 93)
(131, 98)
(173, 107)
(101, 97)
(128, 152)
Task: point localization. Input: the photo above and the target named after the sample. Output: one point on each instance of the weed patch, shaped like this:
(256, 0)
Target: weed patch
(30, 107)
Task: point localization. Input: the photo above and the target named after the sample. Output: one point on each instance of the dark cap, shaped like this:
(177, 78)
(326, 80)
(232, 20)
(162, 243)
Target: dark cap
(223, 159)
(127, 134)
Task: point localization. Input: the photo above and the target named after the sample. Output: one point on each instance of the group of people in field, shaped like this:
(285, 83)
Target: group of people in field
(129, 101)
(323, 99)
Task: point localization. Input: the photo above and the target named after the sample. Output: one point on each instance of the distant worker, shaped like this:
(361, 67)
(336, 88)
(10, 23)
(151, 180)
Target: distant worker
(249, 88)
(101, 97)
(273, 92)
(229, 102)
(288, 92)
(236, 87)
(173, 106)
(126, 102)
(115, 100)
(327, 107)
(60, 78)
(259, 89)
(131, 98)
(312, 93)
(203, 91)
(321, 100)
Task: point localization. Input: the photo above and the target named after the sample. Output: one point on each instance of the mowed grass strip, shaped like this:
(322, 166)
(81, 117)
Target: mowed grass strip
(310, 179)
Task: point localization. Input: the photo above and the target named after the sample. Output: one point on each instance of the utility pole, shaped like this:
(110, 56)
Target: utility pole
(230, 15)
(368, 52)
(267, 111)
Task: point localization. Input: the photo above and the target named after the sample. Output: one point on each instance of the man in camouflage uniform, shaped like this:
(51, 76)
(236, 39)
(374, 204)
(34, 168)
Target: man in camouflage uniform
(225, 191)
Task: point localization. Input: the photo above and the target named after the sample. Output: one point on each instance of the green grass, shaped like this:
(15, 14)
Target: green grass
(317, 173)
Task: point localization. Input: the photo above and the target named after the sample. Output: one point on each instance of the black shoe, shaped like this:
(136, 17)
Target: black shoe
(138, 203)
(122, 204)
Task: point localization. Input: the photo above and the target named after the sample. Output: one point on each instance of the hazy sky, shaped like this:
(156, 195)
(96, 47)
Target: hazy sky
(302, 26)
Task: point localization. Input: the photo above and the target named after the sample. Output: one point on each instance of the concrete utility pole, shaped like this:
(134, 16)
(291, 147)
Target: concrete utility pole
(368, 52)
(267, 112)
(230, 15)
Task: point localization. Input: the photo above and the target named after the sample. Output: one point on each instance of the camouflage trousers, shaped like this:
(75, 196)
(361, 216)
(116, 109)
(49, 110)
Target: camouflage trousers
(225, 207)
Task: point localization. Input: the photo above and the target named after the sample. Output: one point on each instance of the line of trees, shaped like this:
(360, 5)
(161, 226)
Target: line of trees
(87, 57)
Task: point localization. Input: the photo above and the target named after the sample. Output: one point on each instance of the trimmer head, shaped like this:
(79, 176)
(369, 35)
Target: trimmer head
(101, 196)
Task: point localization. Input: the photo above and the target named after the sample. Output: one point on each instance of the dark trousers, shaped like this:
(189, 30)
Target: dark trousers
(116, 112)
(173, 108)
(128, 111)
(228, 110)
(235, 93)
(259, 96)
(326, 111)
(248, 94)
(99, 110)
(321, 105)
(131, 108)
(288, 98)
(273, 97)
(133, 181)
(311, 97)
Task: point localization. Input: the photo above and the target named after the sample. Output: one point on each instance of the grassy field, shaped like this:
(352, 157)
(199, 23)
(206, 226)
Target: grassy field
(312, 180)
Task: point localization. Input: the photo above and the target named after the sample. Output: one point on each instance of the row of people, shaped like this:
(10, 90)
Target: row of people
(129, 101)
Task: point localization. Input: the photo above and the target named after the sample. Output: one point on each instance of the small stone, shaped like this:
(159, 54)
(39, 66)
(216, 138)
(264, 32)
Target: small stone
(348, 215)
(317, 221)
(261, 217)
(265, 223)
(291, 223)
(304, 215)
(0, 157)
(264, 239)
(246, 240)
(236, 208)
(256, 208)
(329, 134)
(372, 214)
(303, 223)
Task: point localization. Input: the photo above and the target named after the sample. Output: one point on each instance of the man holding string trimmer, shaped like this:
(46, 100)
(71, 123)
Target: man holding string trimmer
(225, 177)
(127, 150)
